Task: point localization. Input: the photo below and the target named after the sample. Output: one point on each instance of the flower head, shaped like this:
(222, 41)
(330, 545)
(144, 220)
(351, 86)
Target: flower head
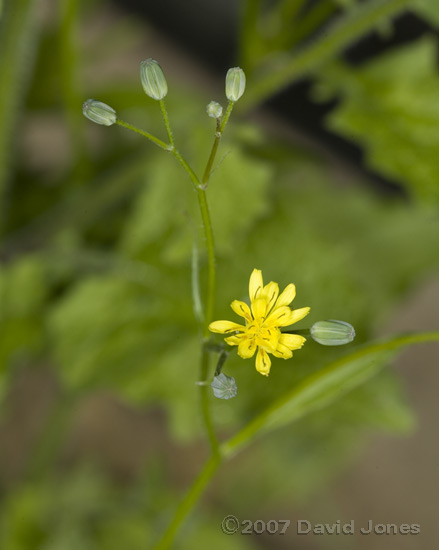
(267, 314)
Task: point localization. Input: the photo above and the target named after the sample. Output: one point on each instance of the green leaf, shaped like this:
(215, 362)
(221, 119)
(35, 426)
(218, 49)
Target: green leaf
(324, 387)
(281, 72)
(390, 108)
(429, 9)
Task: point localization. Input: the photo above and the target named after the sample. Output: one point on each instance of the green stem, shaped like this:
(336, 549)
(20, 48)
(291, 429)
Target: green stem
(152, 138)
(211, 277)
(193, 176)
(226, 116)
(211, 267)
(196, 294)
(166, 119)
(189, 502)
(205, 408)
(343, 32)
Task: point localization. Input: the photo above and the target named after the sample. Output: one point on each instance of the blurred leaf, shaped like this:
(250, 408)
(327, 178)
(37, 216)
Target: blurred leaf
(24, 290)
(18, 33)
(350, 255)
(390, 108)
(323, 387)
(344, 30)
(428, 9)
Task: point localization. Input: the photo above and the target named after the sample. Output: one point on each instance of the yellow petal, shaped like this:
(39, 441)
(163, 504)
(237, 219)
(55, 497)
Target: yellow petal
(247, 348)
(223, 327)
(283, 316)
(270, 292)
(292, 341)
(263, 362)
(268, 339)
(283, 352)
(242, 309)
(234, 340)
(279, 317)
(299, 314)
(259, 308)
(287, 296)
(256, 284)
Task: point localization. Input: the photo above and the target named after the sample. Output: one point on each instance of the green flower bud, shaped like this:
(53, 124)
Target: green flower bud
(224, 387)
(214, 109)
(332, 333)
(235, 83)
(99, 112)
(153, 80)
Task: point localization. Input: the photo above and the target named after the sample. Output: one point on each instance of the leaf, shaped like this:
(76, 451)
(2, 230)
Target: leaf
(390, 108)
(428, 9)
(23, 295)
(324, 387)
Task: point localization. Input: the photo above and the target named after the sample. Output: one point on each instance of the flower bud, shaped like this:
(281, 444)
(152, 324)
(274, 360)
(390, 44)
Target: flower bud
(332, 333)
(99, 112)
(224, 387)
(235, 83)
(153, 80)
(214, 109)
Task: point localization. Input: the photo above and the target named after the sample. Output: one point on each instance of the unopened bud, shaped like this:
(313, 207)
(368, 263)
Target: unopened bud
(99, 112)
(153, 80)
(332, 333)
(235, 83)
(214, 109)
(224, 387)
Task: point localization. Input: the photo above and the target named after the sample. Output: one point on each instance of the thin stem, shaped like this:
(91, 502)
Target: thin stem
(205, 408)
(152, 138)
(189, 501)
(226, 116)
(196, 295)
(221, 360)
(193, 176)
(211, 267)
(220, 125)
(304, 331)
(211, 277)
(166, 119)
(209, 164)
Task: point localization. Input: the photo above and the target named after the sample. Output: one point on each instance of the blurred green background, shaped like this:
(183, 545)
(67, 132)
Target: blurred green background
(100, 429)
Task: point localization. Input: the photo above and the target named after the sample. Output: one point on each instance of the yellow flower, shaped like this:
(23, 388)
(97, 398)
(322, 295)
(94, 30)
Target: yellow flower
(263, 320)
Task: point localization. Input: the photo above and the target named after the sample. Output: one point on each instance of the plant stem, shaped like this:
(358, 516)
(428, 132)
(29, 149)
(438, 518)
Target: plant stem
(189, 501)
(152, 138)
(211, 277)
(205, 408)
(166, 119)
